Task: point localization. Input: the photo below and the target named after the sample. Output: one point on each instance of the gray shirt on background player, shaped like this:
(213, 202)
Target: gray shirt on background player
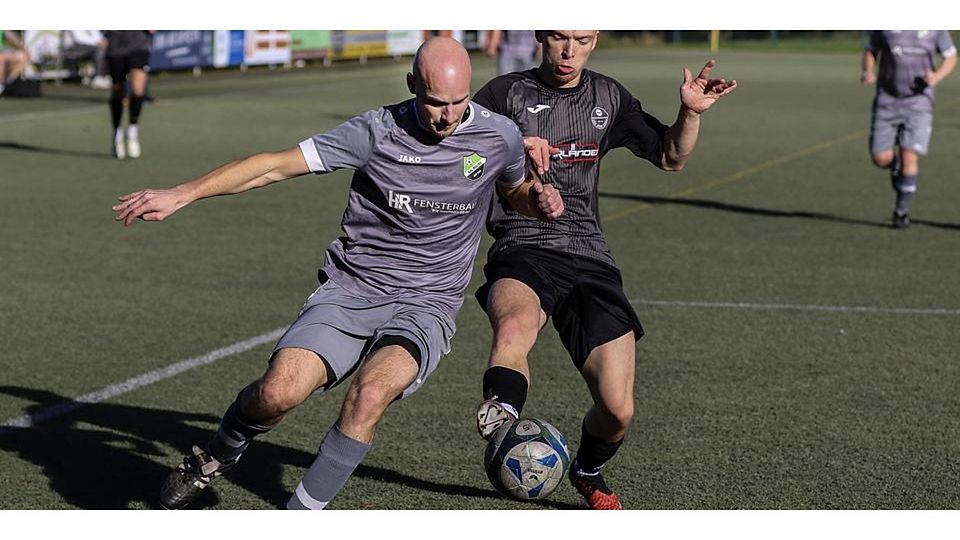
(906, 56)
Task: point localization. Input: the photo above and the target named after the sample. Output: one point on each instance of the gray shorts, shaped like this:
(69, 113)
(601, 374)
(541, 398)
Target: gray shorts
(889, 119)
(341, 326)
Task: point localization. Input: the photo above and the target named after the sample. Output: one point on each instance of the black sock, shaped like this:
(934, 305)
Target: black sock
(116, 110)
(136, 103)
(594, 453)
(506, 386)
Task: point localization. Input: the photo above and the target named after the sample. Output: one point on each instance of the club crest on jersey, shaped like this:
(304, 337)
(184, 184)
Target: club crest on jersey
(473, 166)
(599, 117)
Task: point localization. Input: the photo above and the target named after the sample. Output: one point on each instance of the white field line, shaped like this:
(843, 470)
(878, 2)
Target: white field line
(29, 420)
(801, 307)
(172, 370)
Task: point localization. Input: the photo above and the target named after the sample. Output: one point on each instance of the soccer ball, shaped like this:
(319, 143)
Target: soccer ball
(526, 459)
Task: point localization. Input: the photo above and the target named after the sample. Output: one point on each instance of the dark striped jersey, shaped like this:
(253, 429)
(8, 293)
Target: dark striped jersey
(585, 122)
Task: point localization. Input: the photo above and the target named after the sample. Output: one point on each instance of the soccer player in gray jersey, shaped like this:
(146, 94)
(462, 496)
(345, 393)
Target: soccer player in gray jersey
(391, 286)
(515, 50)
(564, 269)
(903, 106)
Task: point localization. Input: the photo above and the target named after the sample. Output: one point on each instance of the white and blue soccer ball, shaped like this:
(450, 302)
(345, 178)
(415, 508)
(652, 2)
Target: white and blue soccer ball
(526, 459)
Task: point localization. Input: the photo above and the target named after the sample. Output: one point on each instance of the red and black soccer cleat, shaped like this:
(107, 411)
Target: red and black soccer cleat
(595, 491)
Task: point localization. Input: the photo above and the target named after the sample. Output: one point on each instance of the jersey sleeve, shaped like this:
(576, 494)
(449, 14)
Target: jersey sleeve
(636, 130)
(874, 41)
(515, 172)
(945, 45)
(347, 146)
(493, 95)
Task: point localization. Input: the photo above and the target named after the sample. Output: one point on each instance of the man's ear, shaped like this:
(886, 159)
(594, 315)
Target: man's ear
(411, 83)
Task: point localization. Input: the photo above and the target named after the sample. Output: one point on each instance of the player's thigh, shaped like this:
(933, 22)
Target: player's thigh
(884, 125)
(337, 326)
(512, 301)
(386, 372)
(595, 313)
(423, 329)
(609, 372)
(295, 373)
(916, 132)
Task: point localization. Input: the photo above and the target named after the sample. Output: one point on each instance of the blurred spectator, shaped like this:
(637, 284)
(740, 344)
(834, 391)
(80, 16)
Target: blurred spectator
(515, 50)
(128, 53)
(88, 46)
(14, 57)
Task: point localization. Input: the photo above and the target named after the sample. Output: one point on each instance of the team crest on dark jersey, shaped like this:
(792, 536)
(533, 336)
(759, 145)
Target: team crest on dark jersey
(473, 166)
(599, 117)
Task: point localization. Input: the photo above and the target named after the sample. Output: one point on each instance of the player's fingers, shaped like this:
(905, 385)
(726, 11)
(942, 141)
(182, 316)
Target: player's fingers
(537, 187)
(129, 196)
(687, 76)
(705, 72)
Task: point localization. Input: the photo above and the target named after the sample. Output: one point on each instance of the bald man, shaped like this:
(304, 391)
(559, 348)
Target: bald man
(391, 286)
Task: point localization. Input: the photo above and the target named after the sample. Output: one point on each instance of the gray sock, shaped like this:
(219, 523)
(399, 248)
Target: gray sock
(234, 434)
(905, 185)
(338, 457)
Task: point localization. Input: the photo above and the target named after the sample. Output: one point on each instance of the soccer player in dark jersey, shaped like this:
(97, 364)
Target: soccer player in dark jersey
(128, 53)
(572, 117)
(903, 106)
(391, 287)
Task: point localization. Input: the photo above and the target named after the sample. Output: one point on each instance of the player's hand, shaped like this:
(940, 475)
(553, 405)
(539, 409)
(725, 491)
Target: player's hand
(931, 78)
(868, 77)
(148, 205)
(699, 94)
(539, 151)
(547, 199)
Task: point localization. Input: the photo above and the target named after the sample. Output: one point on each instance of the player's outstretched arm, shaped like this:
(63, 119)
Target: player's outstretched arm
(535, 199)
(238, 176)
(696, 96)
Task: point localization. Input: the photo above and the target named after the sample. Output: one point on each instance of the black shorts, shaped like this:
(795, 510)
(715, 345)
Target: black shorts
(120, 65)
(583, 296)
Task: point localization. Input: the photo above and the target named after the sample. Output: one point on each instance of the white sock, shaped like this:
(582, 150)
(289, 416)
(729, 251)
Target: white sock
(132, 131)
(118, 135)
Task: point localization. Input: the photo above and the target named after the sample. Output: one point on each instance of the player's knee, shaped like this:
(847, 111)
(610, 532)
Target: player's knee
(275, 397)
(515, 329)
(367, 400)
(882, 160)
(619, 412)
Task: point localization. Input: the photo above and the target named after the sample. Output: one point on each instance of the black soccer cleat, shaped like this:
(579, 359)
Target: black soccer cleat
(901, 221)
(190, 478)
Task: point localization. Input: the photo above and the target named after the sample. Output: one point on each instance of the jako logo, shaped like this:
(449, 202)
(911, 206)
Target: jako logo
(578, 152)
(400, 202)
(408, 159)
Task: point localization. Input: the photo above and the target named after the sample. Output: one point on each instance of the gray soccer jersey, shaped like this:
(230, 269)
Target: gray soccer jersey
(416, 206)
(905, 57)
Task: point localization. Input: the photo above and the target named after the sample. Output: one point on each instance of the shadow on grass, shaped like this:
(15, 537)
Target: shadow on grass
(766, 212)
(56, 151)
(108, 456)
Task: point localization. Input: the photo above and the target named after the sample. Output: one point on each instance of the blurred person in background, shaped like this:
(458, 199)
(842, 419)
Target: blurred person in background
(128, 54)
(14, 57)
(903, 105)
(89, 45)
(515, 50)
